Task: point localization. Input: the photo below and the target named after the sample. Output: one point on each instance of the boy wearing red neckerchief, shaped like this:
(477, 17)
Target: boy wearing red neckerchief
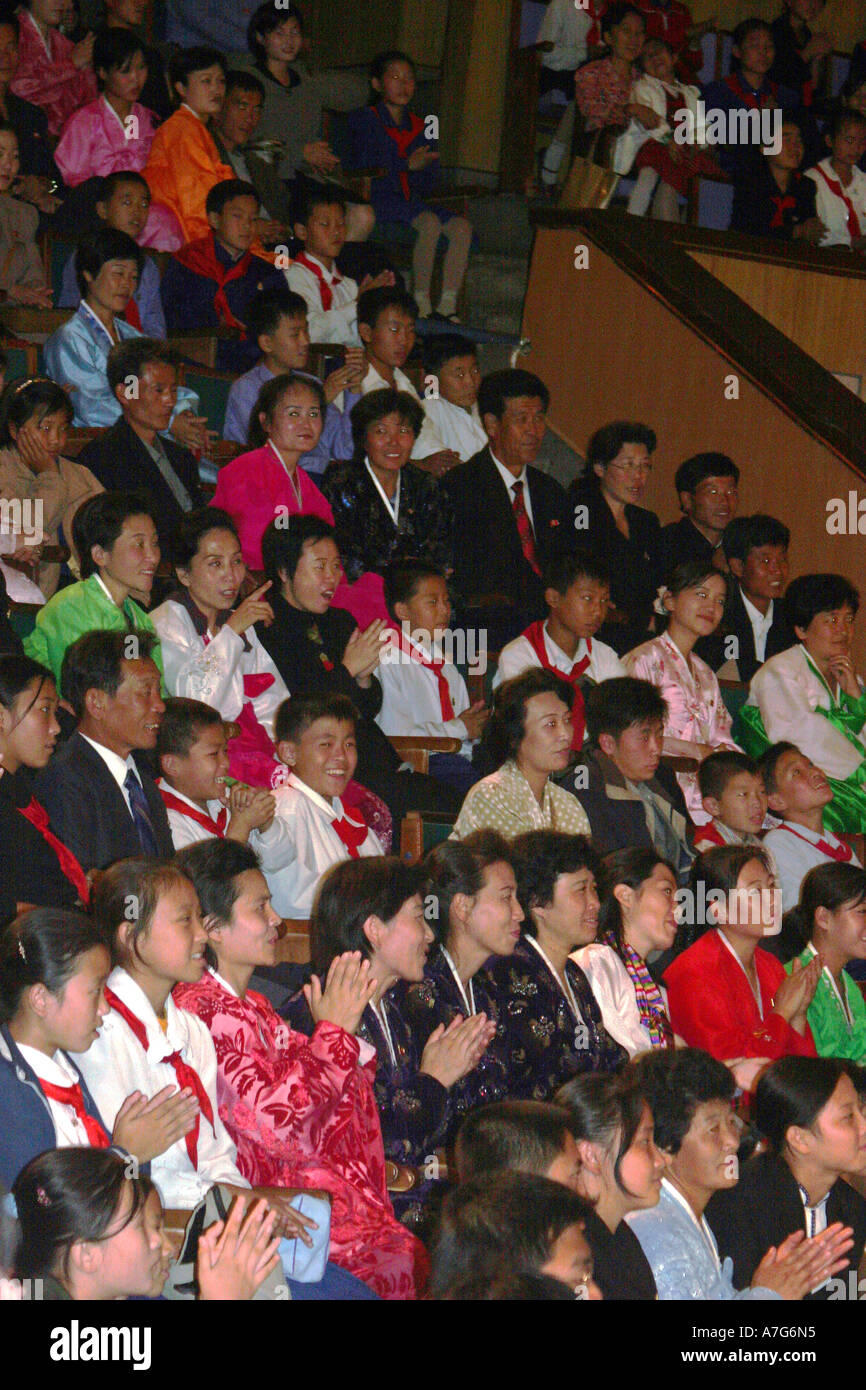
(798, 791)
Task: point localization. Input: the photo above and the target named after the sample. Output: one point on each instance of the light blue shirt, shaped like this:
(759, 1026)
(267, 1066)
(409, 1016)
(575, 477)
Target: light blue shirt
(336, 438)
(683, 1254)
(76, 355)
(146, 297)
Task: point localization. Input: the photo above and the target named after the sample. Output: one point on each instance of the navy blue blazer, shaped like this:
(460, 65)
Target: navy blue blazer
(26, 1126)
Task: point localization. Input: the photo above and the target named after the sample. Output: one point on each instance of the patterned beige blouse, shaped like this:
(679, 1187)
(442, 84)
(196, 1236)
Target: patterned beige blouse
(504, 801)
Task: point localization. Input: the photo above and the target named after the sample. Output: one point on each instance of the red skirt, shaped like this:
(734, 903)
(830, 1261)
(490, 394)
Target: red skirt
(677, 172)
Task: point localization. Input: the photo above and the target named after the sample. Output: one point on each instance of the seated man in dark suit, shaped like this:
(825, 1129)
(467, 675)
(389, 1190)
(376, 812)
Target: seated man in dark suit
(628, 798)
(508, 515)
(99, 793)
(754, 627)
(707, 488)
(134, 455)
(211, 281)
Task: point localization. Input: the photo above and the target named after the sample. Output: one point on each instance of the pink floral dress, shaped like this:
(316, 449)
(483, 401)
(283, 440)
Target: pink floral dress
(696, 710)
(302, 1114)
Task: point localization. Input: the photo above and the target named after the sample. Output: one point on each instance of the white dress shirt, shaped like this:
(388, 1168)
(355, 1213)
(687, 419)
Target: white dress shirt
(761, 624)
(428, 441)
(832, 210)
(339, 324)
(411, 707)
(459, 429)
(308, 819)
(519, 656)
(274, 846)
(509, 480)
(117, 766)
(116, 1065)
(565, 26)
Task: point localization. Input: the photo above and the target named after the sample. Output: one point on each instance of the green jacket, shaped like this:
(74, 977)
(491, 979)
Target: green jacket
(834, 1036)
(83, 607)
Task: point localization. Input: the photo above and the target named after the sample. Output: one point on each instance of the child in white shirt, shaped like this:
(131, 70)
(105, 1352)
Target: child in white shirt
(841, 198)
(798, 791)
(578, 596)
(331, 298)
(423, 693)
(452, 377)
(315, 737)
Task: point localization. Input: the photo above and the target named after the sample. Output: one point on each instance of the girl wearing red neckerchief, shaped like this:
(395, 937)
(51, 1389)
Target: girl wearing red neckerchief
(841, 196)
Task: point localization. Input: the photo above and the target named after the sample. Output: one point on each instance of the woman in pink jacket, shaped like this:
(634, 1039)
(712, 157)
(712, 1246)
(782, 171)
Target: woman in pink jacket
(53, 73)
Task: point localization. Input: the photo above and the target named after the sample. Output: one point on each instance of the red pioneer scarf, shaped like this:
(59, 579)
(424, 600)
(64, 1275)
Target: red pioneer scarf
(325, 290)
(437, 667)
(132, 315)
(174, 803)
(403, 137)
(534, 634)
(780, 205)
(842, 853)
(352, 830)
(69, 865)
(74, 1096)
(186, 1075)
(834, 185)
(200, 256)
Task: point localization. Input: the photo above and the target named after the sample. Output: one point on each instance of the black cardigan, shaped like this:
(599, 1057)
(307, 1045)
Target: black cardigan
(765, 1207)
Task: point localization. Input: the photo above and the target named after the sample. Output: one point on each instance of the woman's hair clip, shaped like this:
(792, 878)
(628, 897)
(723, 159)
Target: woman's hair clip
(21, 950)
(42, 1197)
(659, 601)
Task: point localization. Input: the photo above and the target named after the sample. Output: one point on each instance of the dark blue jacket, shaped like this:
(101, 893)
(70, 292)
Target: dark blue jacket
(26, 1126)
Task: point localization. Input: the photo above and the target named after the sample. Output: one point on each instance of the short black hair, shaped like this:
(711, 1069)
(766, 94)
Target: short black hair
(373, 303)
(615, 14)
(769, 761)
(214, 866)
(518, 1136)
(224, 191)
(99, 521)
(811, 594)
(504, 730)
(794, 1091)
(567, 565)
(115, 49)
(312, 195)
(699, 467)
(743, 534)
(403, 578)
(238, 80)
(443, 347)
(185, 61)
(716, 771)
(264, 21)
(37, 396)
(110, 184)
(299, 712)
(376, 405)
(615, 705)
(383, 60)
(540, 858)
(511, 1219)
(508, 384)
(674, 1082)
(182, 723)
(842, 116)
(130, 356)
(192, 529)
(98, 247)
(268, 306)
(348, 895)
(458, 867)
(607, 442)
(271, 393)
(284, 540)
(750, 26)
(95, 662)
(714, 875)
